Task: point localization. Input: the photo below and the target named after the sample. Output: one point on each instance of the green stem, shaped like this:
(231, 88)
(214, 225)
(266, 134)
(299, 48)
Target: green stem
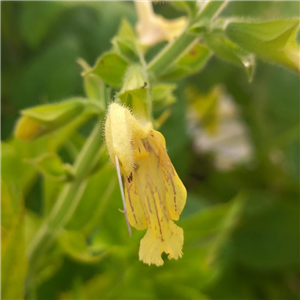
(171, 53)
(68, 199)
(176, 49)
(210, 10)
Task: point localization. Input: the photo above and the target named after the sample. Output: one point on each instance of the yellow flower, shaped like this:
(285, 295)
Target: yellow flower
(154, 194)
(153, 28)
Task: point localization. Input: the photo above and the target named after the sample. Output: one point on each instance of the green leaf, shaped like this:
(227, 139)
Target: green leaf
(99, 188)
(162, 95)
(207, 223)
(273, 41)
(12, 161)
(51, 191)
(100, 284)
(51, 166)
(135, 79)
(15, 152)
(268, 234)
(134, 92)
(125, 43)
(193, 61)
(33, 222)
(43, 119)
(55, 115)
(231, 52)
(93, 86)
(13, 248)
(111, 68)
(74, 244)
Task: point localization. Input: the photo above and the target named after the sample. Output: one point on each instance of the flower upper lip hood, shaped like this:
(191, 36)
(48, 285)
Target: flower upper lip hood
(152, 28)
(154, 194)
(120, 127)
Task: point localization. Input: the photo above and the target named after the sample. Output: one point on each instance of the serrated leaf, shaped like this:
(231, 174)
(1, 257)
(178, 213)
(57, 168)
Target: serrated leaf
(273, 41)
(111, 68)
(231, 52)
(193, 61)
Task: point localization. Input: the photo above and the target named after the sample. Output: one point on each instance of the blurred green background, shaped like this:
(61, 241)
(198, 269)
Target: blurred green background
(241, 225)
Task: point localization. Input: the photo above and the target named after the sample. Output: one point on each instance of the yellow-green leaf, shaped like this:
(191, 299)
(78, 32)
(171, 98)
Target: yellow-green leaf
(273, 41)
(162, 95)
(13, 251)
(111, 68)
(74, 244)
(193, 61)
(231, 52)
(125, 43)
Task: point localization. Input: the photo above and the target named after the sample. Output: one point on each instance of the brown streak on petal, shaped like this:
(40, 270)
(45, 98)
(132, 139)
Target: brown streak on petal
(149, 204)
(130, 178)
(129, 199)
(174, 191)
(156, 211)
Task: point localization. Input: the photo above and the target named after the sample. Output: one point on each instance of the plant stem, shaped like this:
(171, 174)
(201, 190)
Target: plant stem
(68, 199)
(210, 10)
(178, 47)
(171, 53)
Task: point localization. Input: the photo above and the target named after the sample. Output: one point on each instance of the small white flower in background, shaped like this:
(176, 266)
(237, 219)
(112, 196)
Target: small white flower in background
(152, 28)
(216, 127)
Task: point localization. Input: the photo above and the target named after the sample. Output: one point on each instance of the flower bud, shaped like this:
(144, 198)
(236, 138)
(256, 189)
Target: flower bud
(44, 119)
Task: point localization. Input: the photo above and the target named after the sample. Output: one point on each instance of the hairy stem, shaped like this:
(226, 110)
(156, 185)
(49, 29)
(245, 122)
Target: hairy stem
(68, 199)
(210, 10)
(171, 53)
(177, 48)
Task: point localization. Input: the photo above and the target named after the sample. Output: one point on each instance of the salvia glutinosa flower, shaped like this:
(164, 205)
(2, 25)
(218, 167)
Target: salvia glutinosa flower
(154, 194)
(153, 28)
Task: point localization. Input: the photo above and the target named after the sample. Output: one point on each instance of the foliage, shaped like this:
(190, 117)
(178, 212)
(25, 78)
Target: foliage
(63, 236)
